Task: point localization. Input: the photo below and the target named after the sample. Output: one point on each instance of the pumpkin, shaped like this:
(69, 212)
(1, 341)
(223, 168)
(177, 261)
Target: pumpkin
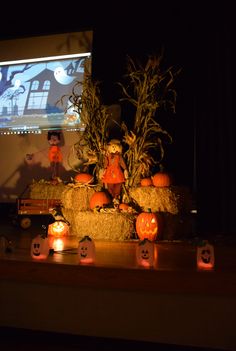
(123, 207)
(147, 225)
(58, 228)
(86, 250)
(40, 247)
(146, 182)
(145, 253)
(83, 178)
(99, 199)
(161, 179)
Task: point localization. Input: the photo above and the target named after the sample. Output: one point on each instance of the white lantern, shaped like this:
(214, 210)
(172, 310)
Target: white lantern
(145, 253)
(205, 256)
(40, 247)
(86, 250)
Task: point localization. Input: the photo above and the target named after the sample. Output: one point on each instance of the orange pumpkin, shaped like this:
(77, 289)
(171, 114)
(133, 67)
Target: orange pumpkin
(99, 199)
(146, 182)
(161, 179)
(84, 178)
(123, 207)
(147, 226)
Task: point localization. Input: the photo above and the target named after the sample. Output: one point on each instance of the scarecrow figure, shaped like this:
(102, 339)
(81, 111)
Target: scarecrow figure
(115, 170)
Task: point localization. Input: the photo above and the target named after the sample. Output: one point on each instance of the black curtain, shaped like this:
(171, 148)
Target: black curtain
(215, 125)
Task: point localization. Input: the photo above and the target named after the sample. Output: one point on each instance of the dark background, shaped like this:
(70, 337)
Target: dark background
(197, 37)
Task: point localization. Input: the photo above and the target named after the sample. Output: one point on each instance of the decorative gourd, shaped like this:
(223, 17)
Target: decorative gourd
(99, 199)
(145, 253)
(161, 179)
(83, 178)
(40, 247)
(86, 250)
(146, 182)
(147, 225)
(123, 207)
(58, 229)
(205, 256)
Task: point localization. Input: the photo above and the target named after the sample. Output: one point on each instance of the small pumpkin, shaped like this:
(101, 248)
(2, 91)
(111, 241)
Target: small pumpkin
(99, 199)
(58, 228)
(123, 207)
(161, 179)
(147, 226)
(83, 178)
(146, 182)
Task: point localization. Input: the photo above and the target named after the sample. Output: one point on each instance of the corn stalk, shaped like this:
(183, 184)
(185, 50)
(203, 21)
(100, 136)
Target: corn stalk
(148, 89)
(86, 99)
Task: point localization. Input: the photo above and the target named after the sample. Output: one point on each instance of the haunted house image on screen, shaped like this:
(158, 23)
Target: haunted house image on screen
(34, 94)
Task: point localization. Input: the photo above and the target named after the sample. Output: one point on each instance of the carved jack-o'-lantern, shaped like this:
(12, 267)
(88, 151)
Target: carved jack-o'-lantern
(40, 247)
(145, 253)
(86, 250)
(58, 228)
(147, 225)
(205, 256)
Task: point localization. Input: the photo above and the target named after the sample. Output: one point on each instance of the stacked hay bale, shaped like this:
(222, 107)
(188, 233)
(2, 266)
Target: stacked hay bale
(173, 205)
(75, 199)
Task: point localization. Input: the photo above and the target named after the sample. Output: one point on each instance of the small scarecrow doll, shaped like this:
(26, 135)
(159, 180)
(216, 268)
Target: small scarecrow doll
(115, 170)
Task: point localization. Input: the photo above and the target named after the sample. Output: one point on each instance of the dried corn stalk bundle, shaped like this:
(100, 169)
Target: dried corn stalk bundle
(77, 198)
(100, 226)
(171, 199)
(43, 190)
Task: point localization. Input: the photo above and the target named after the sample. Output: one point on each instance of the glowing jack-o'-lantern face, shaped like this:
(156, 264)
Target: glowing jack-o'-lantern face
(40, 247)
(86, 250)
(205, 256)
(147, 226)
(145, 253)
(58, 229)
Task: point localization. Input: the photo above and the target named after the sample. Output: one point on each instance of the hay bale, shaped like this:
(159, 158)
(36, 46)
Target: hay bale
(44, 190)
(77, 198)
(100, 226)
(172, 199)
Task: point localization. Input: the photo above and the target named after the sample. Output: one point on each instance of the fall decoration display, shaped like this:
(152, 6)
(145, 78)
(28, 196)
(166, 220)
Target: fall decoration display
(161, 179)
(147, 226)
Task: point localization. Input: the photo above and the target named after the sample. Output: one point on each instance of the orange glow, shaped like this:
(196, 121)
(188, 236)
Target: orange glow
(58, 229)
(58, 244)
(205, 257)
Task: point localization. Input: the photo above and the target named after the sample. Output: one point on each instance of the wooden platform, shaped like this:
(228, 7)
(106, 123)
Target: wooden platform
(171, 303)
